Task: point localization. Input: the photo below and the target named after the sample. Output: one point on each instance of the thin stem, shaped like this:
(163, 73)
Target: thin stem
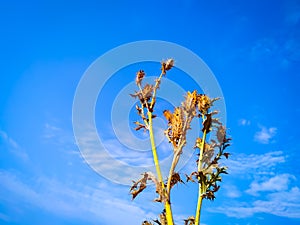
(173, 165)
(177, 152)
(154, 90)
(201, 187)
(169, 215)
(155, 156)
(142, 106)
(199, 204)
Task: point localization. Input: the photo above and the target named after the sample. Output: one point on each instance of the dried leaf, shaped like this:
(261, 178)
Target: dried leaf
(144, 95)
(189, 221)
(189, 178)
(226, 154)
(221, 134)
(157, 221)
(139, 186)
(207, 123)
(175, 179)
(147, 223)
(140, 126)
(163, 219)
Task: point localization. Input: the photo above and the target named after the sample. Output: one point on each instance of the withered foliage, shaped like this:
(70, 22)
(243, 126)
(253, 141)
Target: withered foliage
(138, 186)
(209, 170)
(179, 122)
(161, 221)
(167, 65)
(147, 94)
(189, 221)
(176, 179)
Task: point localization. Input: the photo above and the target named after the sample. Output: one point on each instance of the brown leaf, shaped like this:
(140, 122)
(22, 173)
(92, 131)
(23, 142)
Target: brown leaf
(139, 126)
(157, 221)
(144, 95)
(139, 186)
(226, 154)
(147, 223)
(175, 179)
(189, 178)
(221, 134)
(207, 123)
(189, 221)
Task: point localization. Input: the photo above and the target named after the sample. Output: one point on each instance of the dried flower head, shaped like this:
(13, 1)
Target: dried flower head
(190, 103)
(139, 77)
(175, 129)
(204, 103)
(167, 65)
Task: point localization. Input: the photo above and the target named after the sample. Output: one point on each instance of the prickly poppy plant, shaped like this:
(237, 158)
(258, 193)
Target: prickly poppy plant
(208, 169)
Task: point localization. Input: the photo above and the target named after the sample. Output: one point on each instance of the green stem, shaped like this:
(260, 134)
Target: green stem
(168, 209)
(201, 186)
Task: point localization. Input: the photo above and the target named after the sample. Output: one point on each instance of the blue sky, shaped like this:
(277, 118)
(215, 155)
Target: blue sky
(253, 49)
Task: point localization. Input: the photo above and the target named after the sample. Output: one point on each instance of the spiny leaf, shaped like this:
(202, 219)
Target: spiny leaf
(139, 186)
(189, 178)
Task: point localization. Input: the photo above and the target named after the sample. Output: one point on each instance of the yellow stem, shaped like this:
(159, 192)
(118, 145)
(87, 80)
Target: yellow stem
(155, 157)
(169, 215)
(168, 209)
(201, 187)
(199, 204)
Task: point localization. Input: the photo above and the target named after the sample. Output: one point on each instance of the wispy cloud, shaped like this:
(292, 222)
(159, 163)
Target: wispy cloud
(265, 135)
(13, 146)
(282, 203)
(58, 136)
(80, 201)
(111, 159)
(275, 194)
(231, 191)
(244, 122)
(254, 163)
(275, 183)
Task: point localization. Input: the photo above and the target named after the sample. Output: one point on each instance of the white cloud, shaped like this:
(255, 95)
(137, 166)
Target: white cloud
(274, 193)
(77, 201)
(231, 191)
(265, 135)
(254, 163)
(276, 183)
(13, 146)
(282, 203)
(58, 136)
(244, 122)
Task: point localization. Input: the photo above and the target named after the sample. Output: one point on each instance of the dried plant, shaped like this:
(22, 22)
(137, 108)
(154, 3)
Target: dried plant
(208, 170)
